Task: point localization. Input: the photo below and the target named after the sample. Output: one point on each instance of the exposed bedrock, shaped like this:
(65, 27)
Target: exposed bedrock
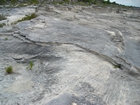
(81, 55)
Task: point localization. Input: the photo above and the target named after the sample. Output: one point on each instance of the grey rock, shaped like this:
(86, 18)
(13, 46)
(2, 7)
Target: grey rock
(17, 32)
(93, 59)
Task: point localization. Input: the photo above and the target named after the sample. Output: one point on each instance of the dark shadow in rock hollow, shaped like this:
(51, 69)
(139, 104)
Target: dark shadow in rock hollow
(23, 48)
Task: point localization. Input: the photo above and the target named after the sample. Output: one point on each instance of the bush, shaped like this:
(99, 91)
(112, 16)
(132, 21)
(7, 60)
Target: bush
(85, 0)
(94, 1)
(114, 2)
(13, 2)
(9, 70)
(106, 2)
(66, 1)
(2, 2)
(34, 1)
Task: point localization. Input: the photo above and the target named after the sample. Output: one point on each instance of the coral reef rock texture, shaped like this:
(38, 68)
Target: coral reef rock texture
(82, 55)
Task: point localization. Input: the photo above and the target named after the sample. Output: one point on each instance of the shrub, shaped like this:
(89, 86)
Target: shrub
(85, 0)
(9, 70)
(114, 2)
(2, 2)
(34, 1)
(13, 2)
(106, 2)
(94, 1)
(66, 1)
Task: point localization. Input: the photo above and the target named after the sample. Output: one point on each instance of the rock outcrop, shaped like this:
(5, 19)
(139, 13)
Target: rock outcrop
(82, 56)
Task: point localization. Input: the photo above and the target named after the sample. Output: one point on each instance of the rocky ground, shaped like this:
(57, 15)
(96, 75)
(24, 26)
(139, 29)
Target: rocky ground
(82, 55)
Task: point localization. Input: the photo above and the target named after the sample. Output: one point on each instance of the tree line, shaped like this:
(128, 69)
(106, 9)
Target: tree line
(13, 2)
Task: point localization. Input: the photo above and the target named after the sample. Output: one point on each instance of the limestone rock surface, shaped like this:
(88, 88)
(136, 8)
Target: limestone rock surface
(82, 56)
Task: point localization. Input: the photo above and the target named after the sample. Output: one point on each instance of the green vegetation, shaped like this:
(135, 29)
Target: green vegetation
(13, 2)
(30, 65)
(2, 2)
(89, 2)
(9, 70)
(27, 17)
(85, 0)
(66, 1)
(16, 3)
(34, 1)
(106, 2)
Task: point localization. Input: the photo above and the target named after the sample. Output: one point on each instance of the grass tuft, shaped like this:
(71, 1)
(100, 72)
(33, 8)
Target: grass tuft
(31, 64)
(9, 70)
(27, 17)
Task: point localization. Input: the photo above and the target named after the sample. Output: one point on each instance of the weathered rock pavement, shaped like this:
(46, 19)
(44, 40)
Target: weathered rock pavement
(82, 56)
